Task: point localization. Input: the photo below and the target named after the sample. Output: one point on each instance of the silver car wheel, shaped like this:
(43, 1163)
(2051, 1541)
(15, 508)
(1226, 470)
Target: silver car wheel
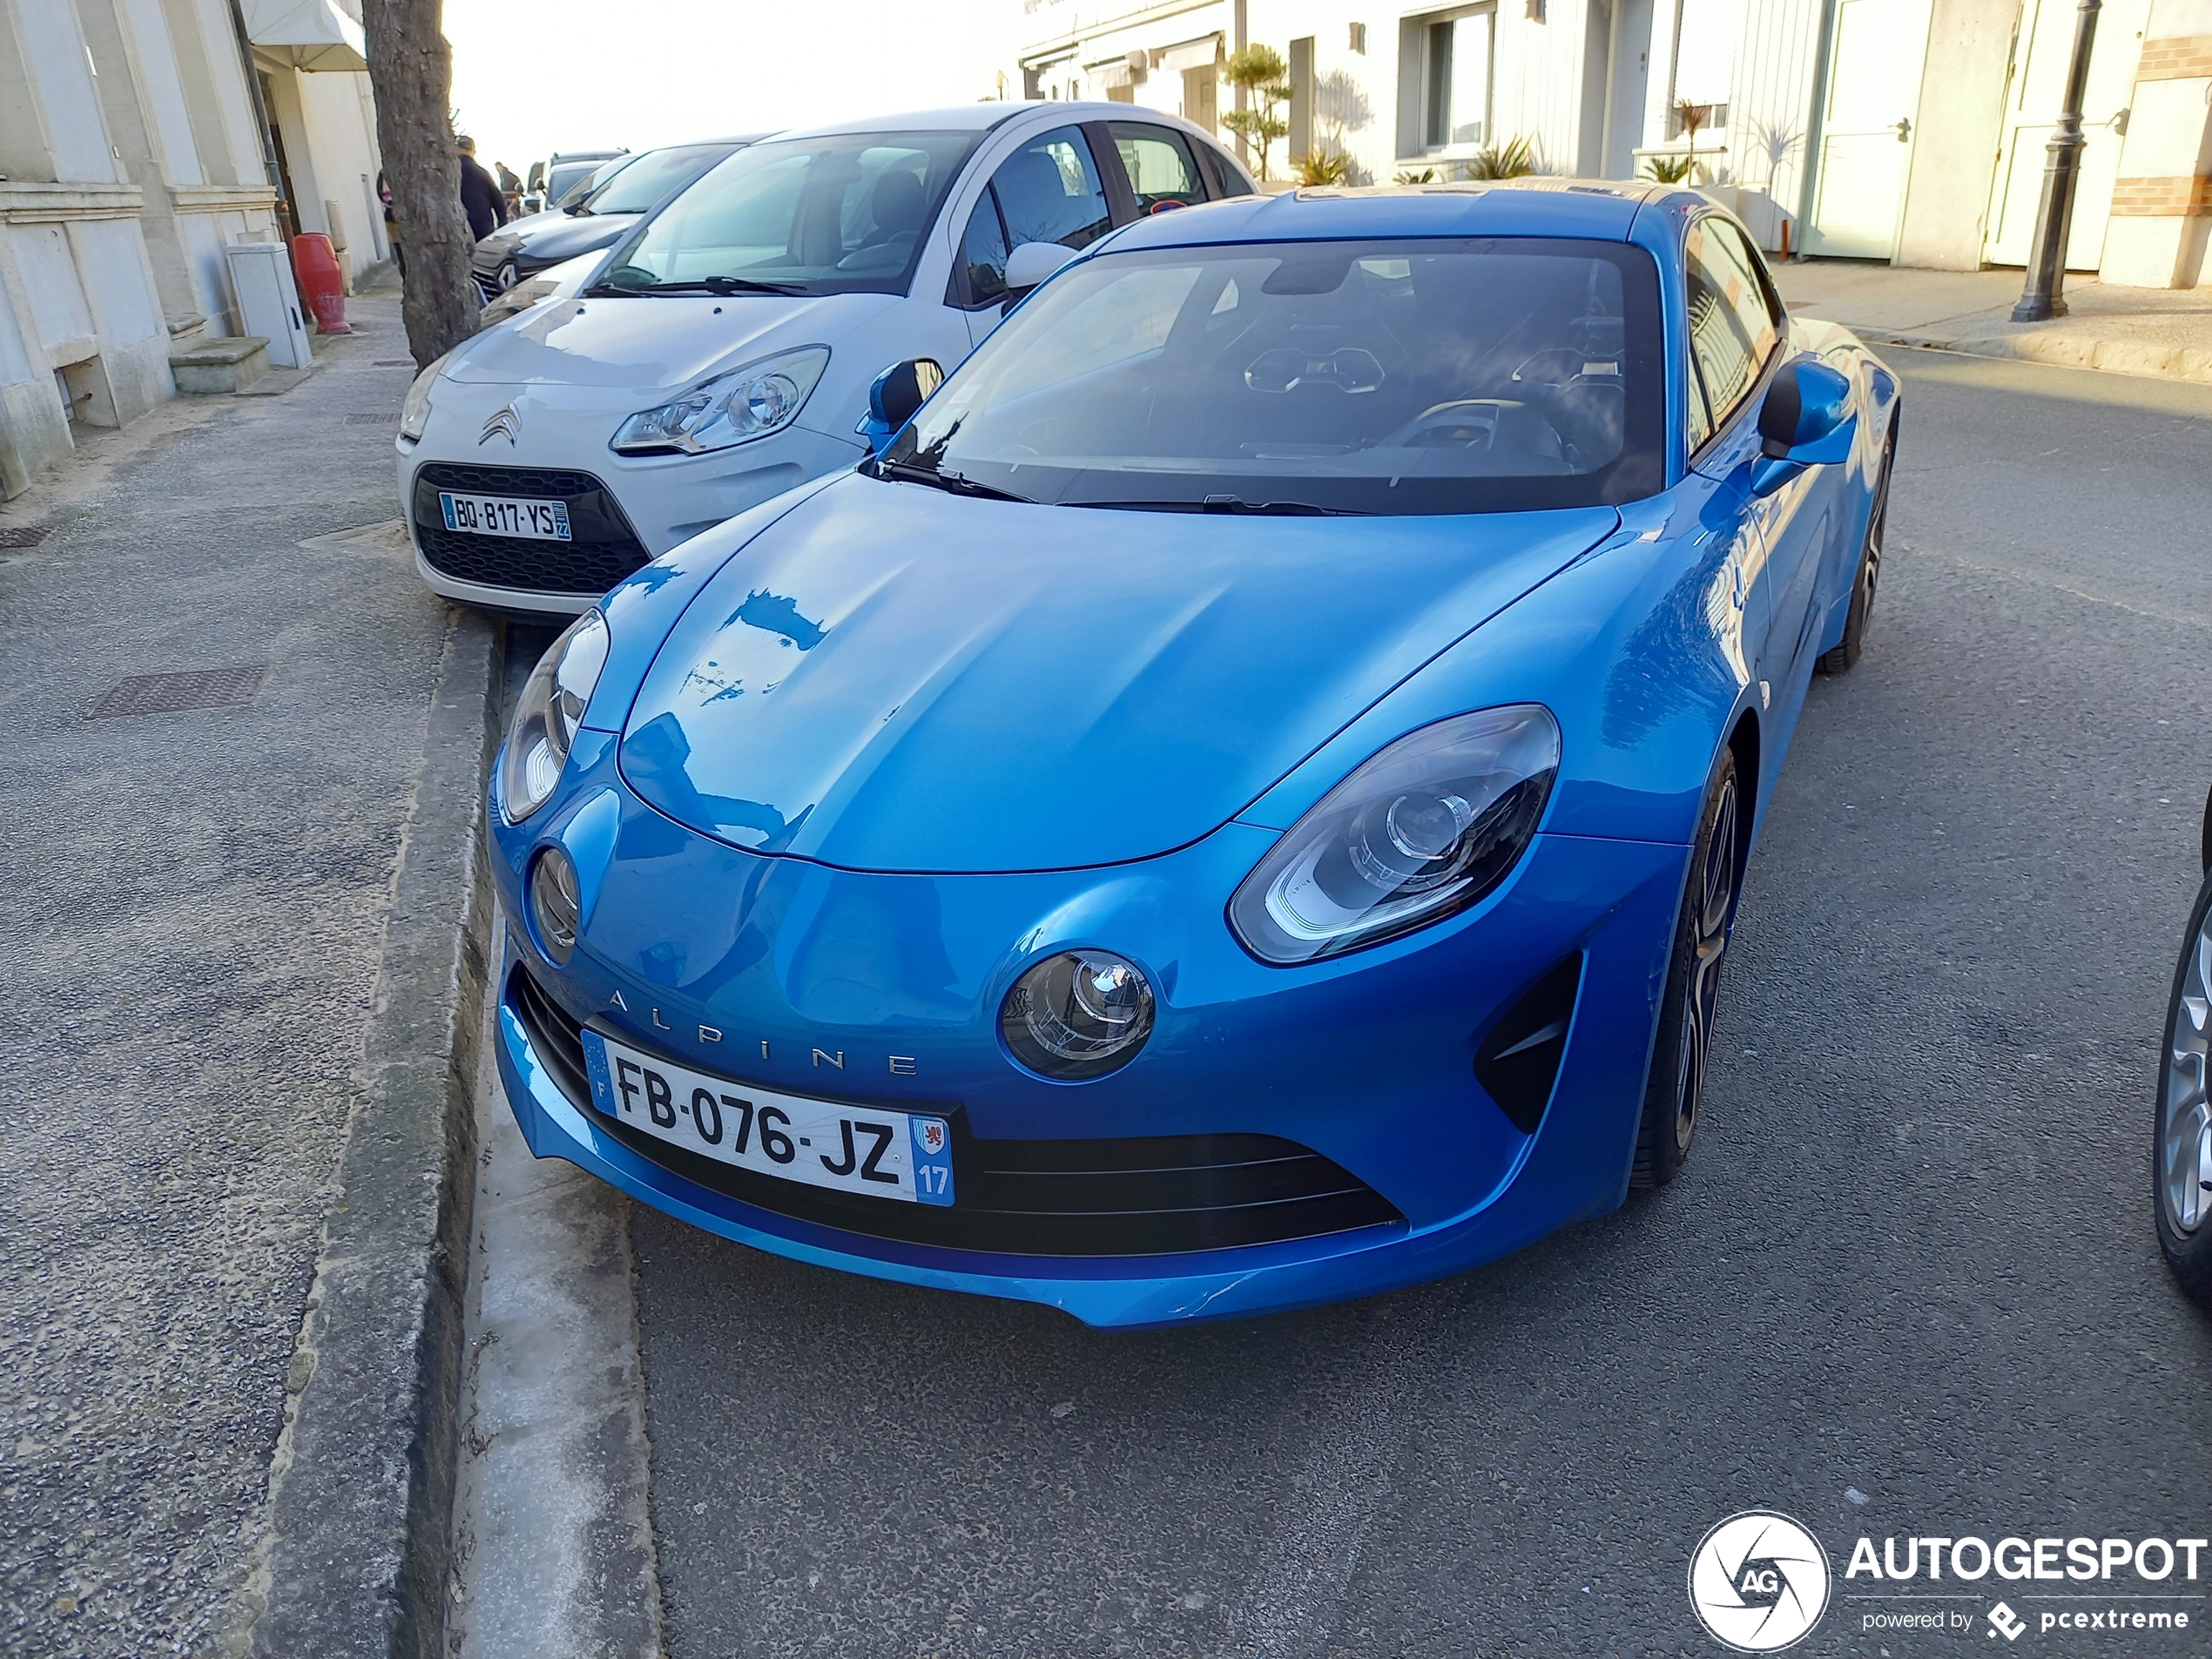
(2185, 1150)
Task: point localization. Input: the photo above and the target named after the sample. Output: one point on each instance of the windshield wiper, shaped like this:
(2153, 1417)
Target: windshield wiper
(1232, 504)
(954, 482)
(717, 286)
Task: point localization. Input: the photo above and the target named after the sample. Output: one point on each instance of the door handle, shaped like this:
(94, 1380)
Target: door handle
(1905, 130)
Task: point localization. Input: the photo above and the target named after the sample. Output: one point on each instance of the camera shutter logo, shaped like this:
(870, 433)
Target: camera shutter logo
(1758, 1581)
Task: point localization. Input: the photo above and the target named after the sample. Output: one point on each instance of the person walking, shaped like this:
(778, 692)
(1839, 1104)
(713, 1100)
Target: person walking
(511, 189)
(480, 197)
(391, 223)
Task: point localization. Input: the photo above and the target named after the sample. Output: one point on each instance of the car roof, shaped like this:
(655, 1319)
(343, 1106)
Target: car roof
(1598, 209)
(977, 117)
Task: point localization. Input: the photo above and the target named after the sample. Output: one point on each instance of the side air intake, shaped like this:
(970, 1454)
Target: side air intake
(1518, 1062)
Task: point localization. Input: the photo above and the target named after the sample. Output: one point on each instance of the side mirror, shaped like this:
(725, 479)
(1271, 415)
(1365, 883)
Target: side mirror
(1035, 262)
(1807, 420)
(899, 392)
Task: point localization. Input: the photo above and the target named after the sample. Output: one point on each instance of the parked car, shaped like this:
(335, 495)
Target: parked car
(2181, 1143)
(725, 351)
(1242, 803)
(621, 191)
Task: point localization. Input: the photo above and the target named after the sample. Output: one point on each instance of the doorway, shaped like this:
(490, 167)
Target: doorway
(1875, 48)
(1627, 70)
(2041, 53)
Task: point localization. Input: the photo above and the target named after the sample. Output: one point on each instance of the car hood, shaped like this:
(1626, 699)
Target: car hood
(889, 678)
(563, 236)
(640, 345)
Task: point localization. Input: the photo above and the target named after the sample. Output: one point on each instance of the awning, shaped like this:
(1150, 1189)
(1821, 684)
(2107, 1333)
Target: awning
(305, 34)
(1196, 54)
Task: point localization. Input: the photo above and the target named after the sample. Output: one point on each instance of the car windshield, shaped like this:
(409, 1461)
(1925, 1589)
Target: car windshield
(571, 182)
(1427, 376)
(643, 180)
(831, 215)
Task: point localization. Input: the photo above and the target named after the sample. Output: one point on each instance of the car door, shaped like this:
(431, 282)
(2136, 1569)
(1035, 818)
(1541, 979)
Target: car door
(1051, 189)
(1803, 521)
(1734, 344)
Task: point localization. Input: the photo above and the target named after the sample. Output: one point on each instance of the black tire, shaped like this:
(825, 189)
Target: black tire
(1673, 1094)
(1852, 646)
(2181, 1173)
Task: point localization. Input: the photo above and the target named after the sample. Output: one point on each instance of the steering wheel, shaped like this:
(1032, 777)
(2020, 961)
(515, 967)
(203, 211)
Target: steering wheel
(1466, 423)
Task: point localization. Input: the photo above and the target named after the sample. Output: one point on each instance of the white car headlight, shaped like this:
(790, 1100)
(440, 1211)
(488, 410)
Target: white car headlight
(414, 414)
(1419, 832)
(735, 407)
(548, 713)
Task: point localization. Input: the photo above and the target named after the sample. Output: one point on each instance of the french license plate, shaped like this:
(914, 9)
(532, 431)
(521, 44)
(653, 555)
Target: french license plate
(536, 521)
(822, 1143)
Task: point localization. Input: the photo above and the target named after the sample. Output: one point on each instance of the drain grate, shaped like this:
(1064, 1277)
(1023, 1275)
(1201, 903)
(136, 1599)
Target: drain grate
(21, 535)
(392, 362)
(198, 688)
(371, 419)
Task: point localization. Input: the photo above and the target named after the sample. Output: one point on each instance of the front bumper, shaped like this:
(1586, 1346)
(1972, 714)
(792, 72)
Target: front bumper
(1368, 1061)
(648, 503)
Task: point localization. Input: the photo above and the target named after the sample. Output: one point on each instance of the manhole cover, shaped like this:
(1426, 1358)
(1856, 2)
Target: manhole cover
(371, 419)
(198, 688)
(392, 362)
(21, 535)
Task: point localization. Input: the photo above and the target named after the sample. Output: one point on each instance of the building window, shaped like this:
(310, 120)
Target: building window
(1358, 41)
(1455, 79)
(1704, 67)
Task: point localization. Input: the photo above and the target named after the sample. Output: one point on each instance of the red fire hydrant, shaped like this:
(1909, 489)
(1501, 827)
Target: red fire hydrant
(321, 284)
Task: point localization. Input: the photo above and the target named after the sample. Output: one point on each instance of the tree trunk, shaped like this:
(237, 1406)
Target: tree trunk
(410, 71)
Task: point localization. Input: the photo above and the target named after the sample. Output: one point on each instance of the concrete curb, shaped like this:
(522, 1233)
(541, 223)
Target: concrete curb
(2061, 351)
(353, 1557)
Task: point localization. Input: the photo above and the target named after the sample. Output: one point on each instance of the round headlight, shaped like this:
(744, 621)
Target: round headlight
(556, 904)
(1078, 1015)
(549, 714)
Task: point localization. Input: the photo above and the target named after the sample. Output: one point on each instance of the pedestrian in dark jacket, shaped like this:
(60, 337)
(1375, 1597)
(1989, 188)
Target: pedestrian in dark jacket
(480, 197)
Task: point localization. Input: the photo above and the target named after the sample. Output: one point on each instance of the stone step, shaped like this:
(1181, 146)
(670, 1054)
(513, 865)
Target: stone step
(222, 365)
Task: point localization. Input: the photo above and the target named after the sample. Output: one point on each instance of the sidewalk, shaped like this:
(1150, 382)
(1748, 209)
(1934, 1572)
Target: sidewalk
(229, 787)
(2162, 333)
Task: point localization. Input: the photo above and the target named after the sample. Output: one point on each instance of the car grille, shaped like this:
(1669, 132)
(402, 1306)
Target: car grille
(604, 551)
(1158, 1194)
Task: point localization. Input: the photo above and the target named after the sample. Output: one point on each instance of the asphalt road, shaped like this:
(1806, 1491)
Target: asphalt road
(193, 923)
(1912, 1262)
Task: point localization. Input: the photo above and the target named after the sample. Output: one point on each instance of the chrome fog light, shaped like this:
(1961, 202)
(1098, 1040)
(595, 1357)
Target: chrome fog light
(1078, 1015)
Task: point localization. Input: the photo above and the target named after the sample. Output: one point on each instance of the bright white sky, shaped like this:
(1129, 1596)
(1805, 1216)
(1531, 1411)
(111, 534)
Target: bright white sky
(532, 77)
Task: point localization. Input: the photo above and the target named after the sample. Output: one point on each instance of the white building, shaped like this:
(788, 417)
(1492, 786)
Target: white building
(1912, 130)
(131, 152)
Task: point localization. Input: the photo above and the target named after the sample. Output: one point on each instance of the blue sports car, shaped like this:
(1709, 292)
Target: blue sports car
(1241, 801)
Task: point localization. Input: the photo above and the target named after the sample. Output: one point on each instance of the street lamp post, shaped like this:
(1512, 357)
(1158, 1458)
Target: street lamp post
(2045, 294)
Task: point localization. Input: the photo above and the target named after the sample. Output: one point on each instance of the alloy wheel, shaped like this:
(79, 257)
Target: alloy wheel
(2185, 1147)
(1714, 905)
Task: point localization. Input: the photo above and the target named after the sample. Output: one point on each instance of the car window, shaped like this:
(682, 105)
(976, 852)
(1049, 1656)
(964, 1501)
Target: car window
(646, 178)
(1159, 166)
(1049, 192)
(1438, 376)
(982, 252)
(1732, 246)
(1731, 331)
(841, 213)
(1228, 174)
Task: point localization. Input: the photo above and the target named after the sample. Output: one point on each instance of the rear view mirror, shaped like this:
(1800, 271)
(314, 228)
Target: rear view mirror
(1807, 420)
(898, 393)
(1035, 262)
